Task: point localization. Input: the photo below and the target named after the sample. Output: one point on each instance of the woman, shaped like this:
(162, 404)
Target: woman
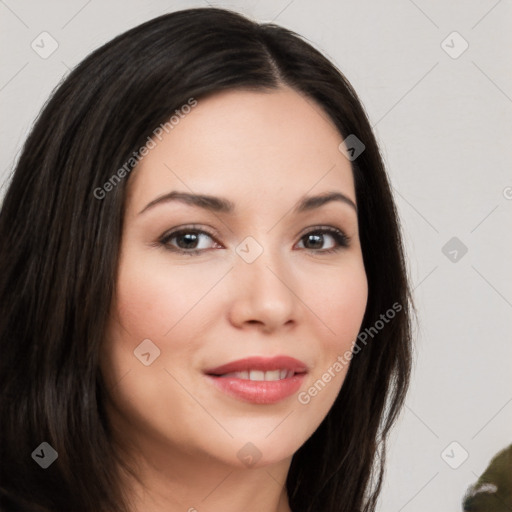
(204, 298)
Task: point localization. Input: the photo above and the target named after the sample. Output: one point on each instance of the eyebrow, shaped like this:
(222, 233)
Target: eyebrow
(222, 205)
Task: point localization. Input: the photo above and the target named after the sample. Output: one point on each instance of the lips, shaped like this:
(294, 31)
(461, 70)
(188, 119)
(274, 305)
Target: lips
(260, 364)
(258, 375)
(259, 380)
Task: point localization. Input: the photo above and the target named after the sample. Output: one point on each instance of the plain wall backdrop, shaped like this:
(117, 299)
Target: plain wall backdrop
(436, 81)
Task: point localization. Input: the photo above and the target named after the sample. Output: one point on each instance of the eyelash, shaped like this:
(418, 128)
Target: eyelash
(341, 239)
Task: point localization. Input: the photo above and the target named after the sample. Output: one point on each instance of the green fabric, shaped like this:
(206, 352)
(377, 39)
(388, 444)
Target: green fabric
(492, 492)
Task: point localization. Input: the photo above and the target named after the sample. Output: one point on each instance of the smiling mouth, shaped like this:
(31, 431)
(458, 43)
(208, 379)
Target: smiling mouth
(258, 375)
(260, 368)
(259, 380)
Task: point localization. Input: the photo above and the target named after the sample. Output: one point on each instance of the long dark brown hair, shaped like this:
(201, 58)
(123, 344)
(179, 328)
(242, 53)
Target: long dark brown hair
(59, 256)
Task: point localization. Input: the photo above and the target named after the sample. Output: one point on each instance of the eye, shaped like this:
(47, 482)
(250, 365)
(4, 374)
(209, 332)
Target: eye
(316, 239)
(187, 241)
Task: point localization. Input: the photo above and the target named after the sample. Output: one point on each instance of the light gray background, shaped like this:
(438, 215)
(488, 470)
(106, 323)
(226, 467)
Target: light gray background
(444, 125)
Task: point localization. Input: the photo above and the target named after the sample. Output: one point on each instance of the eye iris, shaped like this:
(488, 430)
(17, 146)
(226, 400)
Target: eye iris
(318, 241)
(191, 240)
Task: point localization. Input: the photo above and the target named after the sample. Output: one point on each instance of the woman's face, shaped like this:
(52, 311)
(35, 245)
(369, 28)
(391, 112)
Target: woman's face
(258, 270)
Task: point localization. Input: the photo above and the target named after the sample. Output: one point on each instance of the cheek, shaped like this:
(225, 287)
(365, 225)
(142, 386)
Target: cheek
(162, 303)
(340, 303)
(152, 298)
(152, 302)
(147, 305)
(339, 300)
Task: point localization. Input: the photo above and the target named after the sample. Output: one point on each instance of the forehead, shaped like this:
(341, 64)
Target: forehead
(247, 145)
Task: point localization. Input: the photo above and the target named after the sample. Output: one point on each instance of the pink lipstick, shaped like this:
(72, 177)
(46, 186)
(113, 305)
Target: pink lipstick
(259, 380)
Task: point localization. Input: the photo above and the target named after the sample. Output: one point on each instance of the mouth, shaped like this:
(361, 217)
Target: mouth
(259, 380)
(258, 375)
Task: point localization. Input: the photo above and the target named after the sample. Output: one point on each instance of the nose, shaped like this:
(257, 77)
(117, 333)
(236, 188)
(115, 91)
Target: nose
(263, 294)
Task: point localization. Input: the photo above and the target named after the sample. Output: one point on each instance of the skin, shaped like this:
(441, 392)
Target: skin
(263, 151)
